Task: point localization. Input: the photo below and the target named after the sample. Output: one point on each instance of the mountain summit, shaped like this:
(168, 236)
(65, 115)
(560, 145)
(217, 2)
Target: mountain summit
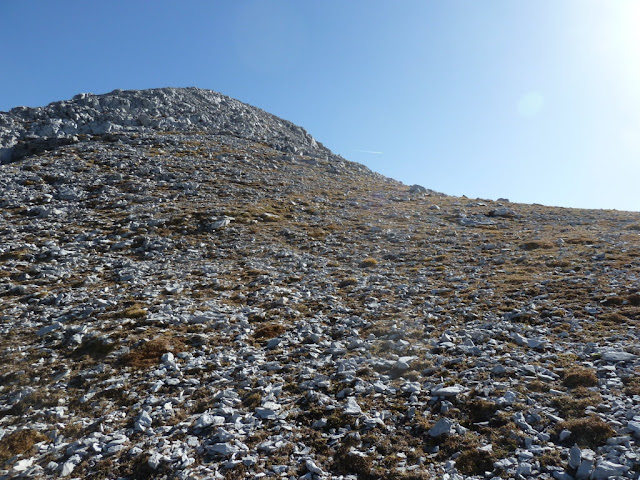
(193, 288)
(143, 111)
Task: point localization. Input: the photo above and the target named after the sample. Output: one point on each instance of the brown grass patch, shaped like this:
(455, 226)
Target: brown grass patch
(38, 399)
(574, 405)
(270, 330)
(134, 311)
(609, 301)
(149, 353)
(480, 410)
(472, 460)
(19, 442)
(348, 463)
(612, 318)
(475, 462)
(537, 386)
(95, 347)
(504, 435)
(634, 299)
(551, 459)
(252, 400)
(536, 244)
(580, 241)
(347, 282)
(632, 385)
(368, 263)
(589, 432)
(566, 360)
(580, 377)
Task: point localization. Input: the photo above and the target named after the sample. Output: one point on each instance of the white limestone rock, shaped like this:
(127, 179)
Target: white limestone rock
(143, 421)
(442, 427)
(451, 391)
(352, 407)
(614, 356)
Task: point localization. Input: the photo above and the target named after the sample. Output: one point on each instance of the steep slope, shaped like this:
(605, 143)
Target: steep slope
(231, 300)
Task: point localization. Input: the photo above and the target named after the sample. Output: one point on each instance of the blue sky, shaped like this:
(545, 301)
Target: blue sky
(537, 101)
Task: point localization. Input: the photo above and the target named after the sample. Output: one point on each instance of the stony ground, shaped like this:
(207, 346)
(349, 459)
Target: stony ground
(200, 305)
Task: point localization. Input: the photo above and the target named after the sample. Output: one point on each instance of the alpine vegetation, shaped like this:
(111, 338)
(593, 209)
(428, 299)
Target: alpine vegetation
(193, 288)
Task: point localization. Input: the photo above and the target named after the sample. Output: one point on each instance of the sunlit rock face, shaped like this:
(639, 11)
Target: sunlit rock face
(191, 287)
(143, 111)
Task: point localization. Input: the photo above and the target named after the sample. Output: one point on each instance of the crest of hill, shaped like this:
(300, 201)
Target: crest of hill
(163, 109)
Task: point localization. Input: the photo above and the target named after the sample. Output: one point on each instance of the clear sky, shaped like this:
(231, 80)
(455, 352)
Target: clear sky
(537, 101)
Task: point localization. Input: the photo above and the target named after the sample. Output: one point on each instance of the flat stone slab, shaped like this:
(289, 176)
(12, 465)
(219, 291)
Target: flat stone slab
(617, 356)
(447, 391)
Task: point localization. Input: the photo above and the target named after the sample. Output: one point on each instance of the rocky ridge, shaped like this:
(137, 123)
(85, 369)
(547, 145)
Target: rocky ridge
(24, 129)
(231, 300)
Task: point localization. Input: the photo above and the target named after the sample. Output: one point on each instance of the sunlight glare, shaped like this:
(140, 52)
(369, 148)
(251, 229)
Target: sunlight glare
(617, 45)
(530, 104)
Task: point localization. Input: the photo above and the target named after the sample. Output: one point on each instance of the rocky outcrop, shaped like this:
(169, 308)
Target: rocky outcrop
(143, 111)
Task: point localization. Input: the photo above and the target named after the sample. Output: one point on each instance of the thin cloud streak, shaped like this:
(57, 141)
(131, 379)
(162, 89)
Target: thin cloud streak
(373, 152)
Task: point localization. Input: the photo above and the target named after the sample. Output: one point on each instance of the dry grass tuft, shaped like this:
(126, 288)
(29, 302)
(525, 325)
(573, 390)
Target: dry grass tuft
(252, 400)
(347, 282)
(634, 299)
(480, 410)
(349, 463)
(36, 400)
(609, 301)
(19, 442)
(580, 241)
(475, 462)
(580, 377)
(551, 459)
(536, 244)
(135, 311)
(505, 438)
(137, 468)
(95, 347)
(270, 330)
(589, 432)
(368, 263)
(471, 460)
(149, 353)
(574, 405)
(612, 318)
(632, 385)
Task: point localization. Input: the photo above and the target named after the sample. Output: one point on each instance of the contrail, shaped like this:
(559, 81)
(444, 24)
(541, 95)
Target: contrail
(369, 151)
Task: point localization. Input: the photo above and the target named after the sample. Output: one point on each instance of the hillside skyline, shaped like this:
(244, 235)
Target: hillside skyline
(193, 288)
(535, 101)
